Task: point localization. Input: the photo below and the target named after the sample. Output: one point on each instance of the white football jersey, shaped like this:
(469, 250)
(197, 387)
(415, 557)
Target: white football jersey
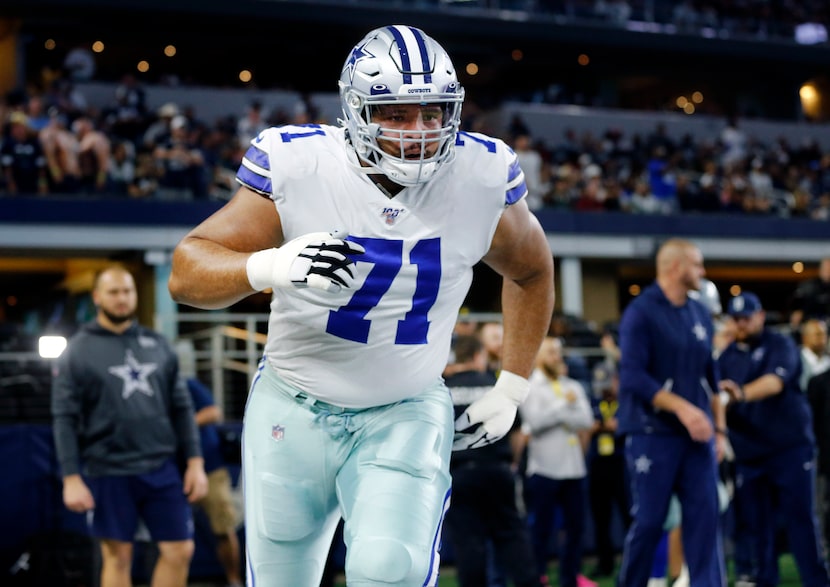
(388, 337)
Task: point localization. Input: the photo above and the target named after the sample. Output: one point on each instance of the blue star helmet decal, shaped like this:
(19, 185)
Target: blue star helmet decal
(359, 53)
(399, 64)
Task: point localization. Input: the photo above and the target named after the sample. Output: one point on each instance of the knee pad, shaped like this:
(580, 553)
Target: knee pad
(373, 561)
(286, 509)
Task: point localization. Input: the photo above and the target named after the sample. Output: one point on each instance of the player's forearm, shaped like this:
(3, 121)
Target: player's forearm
(207, 275)
(527, 307)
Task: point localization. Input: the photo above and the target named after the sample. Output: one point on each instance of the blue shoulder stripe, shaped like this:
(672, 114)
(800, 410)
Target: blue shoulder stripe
(254, 171)
(258, 157)
(516, 185)
(257, 184)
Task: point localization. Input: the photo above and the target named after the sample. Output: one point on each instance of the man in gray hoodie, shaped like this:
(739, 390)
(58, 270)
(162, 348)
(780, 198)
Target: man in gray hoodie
(121, 415)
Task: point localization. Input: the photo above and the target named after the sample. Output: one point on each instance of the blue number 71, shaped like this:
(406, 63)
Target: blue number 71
(350, 321)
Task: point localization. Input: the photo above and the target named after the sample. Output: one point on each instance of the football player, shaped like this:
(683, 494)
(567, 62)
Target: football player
(367, 233)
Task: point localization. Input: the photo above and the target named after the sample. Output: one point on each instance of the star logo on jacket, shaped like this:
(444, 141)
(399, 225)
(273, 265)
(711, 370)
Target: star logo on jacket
(277, 432)
(642, 464)
(135, 375)
(758, 354)
(699, 331)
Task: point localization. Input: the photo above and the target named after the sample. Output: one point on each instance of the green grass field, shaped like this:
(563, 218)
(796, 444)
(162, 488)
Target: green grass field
(789, 575)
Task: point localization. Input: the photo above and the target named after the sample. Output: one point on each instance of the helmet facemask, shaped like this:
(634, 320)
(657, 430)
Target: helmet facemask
(390, 98)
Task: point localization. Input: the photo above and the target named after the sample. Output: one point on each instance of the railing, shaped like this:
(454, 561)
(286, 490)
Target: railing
(222, 349)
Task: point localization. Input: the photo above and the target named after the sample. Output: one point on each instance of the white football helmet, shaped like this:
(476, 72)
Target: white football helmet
(393, 65)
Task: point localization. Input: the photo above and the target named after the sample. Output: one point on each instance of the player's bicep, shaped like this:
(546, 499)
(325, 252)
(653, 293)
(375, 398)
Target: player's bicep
(248, 222)
(519, 249)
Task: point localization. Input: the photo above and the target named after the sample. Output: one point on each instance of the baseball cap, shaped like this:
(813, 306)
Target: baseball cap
(744, 304)
(169, 110)
(17, 117)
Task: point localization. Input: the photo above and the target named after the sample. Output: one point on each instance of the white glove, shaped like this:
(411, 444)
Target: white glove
(319, 259)
(495, 411)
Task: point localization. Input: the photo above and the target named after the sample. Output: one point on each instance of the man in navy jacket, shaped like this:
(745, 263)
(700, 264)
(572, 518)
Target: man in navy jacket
(770, 429)
(670, 416)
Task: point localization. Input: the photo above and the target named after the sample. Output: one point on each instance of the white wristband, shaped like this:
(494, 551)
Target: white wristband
(513, 387)
(317, 260)
(260, 270)
(279, 267)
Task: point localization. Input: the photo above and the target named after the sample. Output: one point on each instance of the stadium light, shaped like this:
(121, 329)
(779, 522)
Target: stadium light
(51, 347)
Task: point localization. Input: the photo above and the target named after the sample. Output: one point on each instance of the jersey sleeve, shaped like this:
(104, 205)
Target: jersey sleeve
(281, 154)
(255, 170)
(516, 184)
(493, 163)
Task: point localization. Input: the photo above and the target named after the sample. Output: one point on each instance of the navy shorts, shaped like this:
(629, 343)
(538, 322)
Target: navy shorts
(156, 498)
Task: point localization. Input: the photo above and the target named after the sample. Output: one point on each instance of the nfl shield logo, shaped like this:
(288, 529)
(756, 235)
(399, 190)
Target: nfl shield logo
(277, 432)
(390, 215)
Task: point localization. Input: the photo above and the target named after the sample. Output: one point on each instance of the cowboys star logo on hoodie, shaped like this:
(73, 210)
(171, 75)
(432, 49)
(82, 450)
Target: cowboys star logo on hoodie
(134, 375)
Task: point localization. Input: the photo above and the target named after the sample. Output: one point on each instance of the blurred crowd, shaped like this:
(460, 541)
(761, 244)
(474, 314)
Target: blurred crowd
(54, 142)
(759, 19)
(655, 174)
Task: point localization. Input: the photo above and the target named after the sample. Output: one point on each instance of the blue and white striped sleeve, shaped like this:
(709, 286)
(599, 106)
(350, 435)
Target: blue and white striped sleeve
(516, 185)
(255, 171)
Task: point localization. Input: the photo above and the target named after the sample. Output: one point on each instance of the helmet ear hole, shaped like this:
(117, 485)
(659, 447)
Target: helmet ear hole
(354, 100)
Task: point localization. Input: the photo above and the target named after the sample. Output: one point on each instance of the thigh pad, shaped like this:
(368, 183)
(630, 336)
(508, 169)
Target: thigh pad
(286, 508)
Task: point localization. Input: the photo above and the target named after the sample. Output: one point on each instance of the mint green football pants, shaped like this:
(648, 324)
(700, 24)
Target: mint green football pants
(385, 470)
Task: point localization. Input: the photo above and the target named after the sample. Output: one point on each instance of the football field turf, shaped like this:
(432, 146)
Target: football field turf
(789, 575)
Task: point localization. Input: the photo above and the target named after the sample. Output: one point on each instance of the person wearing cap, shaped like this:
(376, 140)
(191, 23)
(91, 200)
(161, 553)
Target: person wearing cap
(22, 162)
(671, 417)
(159, 130)
(771, 433)
(182, 162)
